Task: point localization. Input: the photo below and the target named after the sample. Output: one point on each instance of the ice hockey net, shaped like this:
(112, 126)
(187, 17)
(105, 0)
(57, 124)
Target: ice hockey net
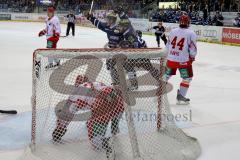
(108, 120)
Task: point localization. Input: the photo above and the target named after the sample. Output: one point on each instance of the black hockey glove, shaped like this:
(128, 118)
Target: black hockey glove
(89, 16)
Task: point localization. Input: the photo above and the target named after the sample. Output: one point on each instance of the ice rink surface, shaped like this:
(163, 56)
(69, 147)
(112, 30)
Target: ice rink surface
(214, 92)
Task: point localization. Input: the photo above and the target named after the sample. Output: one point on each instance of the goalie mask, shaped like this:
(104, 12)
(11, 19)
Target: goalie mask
(80, 80)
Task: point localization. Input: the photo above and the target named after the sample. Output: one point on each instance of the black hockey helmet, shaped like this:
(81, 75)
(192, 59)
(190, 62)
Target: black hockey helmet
(118, 9)
(139, 33)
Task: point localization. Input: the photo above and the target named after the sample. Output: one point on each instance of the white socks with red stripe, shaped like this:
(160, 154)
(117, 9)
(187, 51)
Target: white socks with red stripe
(184, 86)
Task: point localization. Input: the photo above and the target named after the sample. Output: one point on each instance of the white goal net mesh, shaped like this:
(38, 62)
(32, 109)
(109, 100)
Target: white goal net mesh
(97, 104)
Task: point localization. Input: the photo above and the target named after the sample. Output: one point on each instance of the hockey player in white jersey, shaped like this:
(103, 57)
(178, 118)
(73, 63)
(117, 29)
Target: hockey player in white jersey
(106, 106)
(52, 32)
(182, 50)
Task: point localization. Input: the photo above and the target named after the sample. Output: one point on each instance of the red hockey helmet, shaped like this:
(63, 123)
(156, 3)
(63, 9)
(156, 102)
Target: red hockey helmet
(184, 21)
(51, 9)
(80, 80)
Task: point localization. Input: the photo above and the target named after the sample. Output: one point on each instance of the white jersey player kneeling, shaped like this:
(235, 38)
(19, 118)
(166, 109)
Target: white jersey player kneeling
(106, 106)
(182, 49)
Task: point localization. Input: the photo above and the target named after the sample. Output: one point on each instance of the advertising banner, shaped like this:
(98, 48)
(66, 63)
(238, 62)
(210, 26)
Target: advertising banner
(140, 24)
(5, 16)
(231, 35)
(213, 34)
(22, 16)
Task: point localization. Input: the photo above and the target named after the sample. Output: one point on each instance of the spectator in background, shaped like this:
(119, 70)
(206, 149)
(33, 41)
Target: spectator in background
(199, 20)
(237, 21)
(162, 16)
(218, 19)
(234, 7)
(209, 21)
(159, 16)
(183, 6)
(217, 6)
(205, 13)
(190, 7)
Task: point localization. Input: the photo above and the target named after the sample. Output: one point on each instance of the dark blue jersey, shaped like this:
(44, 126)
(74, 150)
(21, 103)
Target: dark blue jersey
(113, 34)
(123, 15)
(159, 30)
(130, 36)
(141, 43)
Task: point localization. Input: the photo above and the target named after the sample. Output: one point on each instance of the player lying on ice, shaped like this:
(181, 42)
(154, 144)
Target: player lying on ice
(182, 50)
(106, 106)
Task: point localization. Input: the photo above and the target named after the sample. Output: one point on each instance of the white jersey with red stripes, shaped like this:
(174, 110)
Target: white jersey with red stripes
(79, 95)
(52, 26)
(182, 44)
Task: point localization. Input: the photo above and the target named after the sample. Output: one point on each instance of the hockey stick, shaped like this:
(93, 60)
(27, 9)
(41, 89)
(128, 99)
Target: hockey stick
(90, 12)
(8, 111)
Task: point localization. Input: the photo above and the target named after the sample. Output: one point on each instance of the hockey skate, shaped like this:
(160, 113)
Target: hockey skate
(108, 146)
(181, 100)
(115, 126)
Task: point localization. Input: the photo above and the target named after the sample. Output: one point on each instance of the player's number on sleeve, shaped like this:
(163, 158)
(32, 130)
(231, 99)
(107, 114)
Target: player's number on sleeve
(179, 43)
